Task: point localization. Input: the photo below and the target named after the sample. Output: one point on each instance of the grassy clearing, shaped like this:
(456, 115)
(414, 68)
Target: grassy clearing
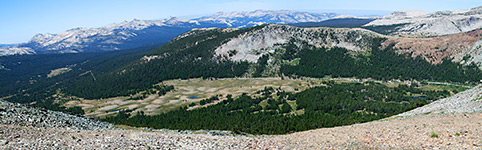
(294, 62)
(195, 90)
(292, 104)
(184, 91)
(438, 87)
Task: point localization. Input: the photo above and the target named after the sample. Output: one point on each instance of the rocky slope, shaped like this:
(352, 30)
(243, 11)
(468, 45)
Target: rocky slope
(16, 50)
(22, 115)
(463, 47)
(251, 45)
(454, 131)
(419, 23)
(450, 131)
(459, 130)
(469, 101)
(451, 123)
(139, 32)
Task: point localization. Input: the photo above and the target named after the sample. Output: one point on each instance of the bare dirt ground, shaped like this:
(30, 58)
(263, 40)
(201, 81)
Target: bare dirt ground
(442, 131)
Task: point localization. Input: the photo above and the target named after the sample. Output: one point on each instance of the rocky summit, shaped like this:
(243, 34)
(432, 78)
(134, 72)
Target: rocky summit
(422, 24)
(461, 47)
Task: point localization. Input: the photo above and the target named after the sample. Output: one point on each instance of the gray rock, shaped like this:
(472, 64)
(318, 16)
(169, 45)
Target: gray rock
(3, 142)
(23, 115)
(463, 102)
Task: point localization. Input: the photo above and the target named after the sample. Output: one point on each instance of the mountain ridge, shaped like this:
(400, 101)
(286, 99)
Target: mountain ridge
(130, 34)
(461, 47)
(267, 50)
(423, 24)
(135, 83)
(266, 39)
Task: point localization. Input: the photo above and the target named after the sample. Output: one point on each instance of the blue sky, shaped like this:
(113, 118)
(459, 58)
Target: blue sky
(21, 19)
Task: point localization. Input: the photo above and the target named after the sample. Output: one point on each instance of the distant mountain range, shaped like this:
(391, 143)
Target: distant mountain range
(351, 70)
(344, 22)
(423, 24)
(261, 51)
(270, 50)
(6, 45)
(135, 33)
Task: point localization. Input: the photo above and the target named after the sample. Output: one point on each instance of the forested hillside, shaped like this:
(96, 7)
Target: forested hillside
(27, 80)
(193, 55)
(284, 112)
(378, 64)
(189, 57)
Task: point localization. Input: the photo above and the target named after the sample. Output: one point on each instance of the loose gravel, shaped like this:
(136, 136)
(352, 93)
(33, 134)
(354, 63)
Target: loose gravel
(451, 123)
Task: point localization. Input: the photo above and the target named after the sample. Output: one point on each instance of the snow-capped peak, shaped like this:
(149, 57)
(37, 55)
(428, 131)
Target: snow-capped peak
(407, 13)
(268, 16)
(420, 23)
(113, 36)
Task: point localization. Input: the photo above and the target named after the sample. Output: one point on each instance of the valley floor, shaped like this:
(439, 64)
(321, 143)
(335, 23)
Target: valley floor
(202, 89)
(450, 123)
(433, 131)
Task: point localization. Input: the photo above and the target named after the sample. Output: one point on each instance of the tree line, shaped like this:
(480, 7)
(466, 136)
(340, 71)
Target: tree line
(323, 106)
(378, 64)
